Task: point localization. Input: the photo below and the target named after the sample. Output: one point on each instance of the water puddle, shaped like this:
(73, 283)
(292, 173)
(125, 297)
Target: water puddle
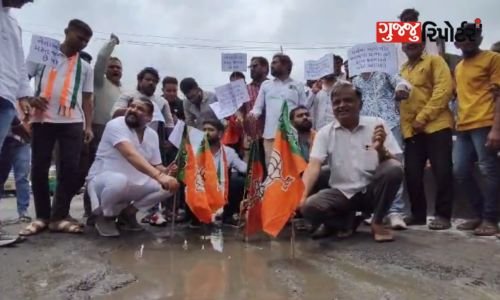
(211, 266)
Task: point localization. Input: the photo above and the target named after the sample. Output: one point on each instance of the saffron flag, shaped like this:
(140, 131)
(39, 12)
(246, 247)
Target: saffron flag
(192, 176)
(283, 186)
(254, 190)
(214, 191)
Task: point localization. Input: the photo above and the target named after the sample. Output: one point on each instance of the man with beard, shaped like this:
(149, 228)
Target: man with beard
(271, 96)
(162, 121)
(365, 176)
(478, 130)
(226, 158)
(301, 121)
(63, 115)
(107, 88)
(127, 174)
(14, 84)
(254, 128)
(197, 105)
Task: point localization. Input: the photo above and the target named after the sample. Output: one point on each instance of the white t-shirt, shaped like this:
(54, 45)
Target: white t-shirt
(52, 114)
(351, 160)
(108, 158)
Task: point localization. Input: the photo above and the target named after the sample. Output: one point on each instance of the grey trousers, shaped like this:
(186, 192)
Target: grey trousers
(332, 208)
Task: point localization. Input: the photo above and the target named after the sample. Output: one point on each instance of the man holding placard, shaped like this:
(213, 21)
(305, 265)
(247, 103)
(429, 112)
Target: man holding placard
(271, 96)
(63, 114)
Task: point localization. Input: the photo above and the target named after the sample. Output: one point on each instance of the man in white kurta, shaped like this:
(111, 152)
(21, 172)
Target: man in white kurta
(127, 174)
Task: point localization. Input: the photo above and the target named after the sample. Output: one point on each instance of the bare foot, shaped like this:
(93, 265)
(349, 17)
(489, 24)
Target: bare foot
(381, 234)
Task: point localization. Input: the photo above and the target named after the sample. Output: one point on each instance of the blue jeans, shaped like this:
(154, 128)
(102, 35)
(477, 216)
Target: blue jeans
(7, 114)
(470, 145)
(16, 155)
(398, 205)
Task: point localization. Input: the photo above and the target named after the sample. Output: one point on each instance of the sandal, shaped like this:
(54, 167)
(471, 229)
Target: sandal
(439, 223)
(34, 228)
(486, 229)
(469, 225)
(65, 226)
(381, 234)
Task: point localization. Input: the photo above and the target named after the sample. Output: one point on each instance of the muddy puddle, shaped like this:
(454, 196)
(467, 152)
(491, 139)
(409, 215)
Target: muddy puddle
(222, 266)
(202, 266)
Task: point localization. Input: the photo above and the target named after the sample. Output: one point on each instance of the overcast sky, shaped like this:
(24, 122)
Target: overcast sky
(184, 38)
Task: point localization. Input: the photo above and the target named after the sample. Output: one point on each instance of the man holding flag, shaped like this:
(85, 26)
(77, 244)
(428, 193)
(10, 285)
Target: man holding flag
(127, 173)
(228, 167)
(365, 176)
(282, 187)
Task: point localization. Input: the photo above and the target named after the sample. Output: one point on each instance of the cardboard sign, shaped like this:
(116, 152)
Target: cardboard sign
(44, 50)
(373, 57)
(234, 62)
(315, 69)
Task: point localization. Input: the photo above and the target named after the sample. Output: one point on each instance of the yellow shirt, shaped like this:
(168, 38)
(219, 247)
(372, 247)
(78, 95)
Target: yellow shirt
(476, 106)
(429, 97)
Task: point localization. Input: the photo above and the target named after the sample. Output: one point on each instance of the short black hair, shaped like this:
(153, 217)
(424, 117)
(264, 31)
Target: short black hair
(262, 61)
(337, 58)
(467, 27)
(148, 70)
(215, 123)
(169, 80)
(293, 111)
(76, 24)
(86, 56)
(237, 75)
(188, 84)
(409, 12)
(496, 47)
(146, 102)
(284, 60)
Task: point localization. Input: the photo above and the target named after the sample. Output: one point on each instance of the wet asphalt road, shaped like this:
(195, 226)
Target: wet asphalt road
(206, 264)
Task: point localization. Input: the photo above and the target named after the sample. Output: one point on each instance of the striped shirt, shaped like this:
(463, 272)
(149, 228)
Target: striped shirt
(58, 86)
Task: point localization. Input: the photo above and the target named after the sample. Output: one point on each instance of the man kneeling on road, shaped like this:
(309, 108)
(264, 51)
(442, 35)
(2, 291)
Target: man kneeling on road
(365, 176)
(127, 174)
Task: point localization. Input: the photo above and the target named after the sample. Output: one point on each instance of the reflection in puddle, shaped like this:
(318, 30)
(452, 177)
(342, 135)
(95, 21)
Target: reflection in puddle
(212, 266)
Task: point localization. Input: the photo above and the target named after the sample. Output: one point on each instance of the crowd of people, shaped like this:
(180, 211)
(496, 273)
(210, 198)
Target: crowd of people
(367, 139)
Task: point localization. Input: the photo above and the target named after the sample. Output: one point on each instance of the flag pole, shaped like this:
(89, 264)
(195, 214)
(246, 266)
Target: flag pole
(292, 239)
(174, 209)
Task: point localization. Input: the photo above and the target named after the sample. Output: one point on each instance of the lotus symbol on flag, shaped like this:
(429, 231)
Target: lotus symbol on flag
(275, 171)
(200, 182)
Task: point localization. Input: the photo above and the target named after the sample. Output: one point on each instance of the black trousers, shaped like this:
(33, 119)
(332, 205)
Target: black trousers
(70, 140)
(436, 147)
(235, 195)
(332, 208)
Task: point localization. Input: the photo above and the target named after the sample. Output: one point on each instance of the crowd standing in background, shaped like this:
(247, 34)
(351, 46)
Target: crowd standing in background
(366, 139)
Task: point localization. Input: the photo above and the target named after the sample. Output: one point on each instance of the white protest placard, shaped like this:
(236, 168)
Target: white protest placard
(230, 98)
(195, 138)
(44, 50)
(234, 62)
(372, 57)
(175, 136)
(315, 69)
